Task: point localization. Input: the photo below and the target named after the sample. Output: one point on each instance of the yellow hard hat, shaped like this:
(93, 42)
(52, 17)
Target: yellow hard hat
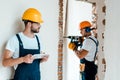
(84, 24)
(32, 14)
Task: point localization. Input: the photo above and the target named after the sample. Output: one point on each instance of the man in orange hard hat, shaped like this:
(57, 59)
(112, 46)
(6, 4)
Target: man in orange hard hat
(22, 48)
(87, 53)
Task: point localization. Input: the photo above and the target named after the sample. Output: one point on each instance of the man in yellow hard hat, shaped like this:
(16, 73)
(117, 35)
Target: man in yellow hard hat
(23, 49)
(88, 51)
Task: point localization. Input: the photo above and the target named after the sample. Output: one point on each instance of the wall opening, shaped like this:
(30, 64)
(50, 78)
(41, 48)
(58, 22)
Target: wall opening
(77, 12)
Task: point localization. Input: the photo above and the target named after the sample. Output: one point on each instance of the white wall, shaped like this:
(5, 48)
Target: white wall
(10, 23)
(112, 40)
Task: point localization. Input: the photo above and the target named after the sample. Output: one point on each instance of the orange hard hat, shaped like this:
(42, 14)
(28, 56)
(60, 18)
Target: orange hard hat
(84, 24)
(32, 14)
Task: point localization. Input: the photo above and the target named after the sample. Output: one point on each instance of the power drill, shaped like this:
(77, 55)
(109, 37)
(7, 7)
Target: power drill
(76, 39)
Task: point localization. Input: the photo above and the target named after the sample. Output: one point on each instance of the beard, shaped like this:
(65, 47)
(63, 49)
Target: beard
(35, 30)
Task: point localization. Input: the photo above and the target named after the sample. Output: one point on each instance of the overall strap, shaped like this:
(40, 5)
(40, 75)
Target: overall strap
(38, 41)
(97, 43)
(20, 42)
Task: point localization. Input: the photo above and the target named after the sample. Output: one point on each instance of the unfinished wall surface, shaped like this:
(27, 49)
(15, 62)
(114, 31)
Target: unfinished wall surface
(100, 35)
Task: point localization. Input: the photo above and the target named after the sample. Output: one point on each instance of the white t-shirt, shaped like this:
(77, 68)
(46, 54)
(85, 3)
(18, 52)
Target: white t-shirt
(90, 46)
(28, 43)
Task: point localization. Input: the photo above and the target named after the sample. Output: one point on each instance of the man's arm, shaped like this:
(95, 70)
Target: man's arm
(9, 61)
(81, 53)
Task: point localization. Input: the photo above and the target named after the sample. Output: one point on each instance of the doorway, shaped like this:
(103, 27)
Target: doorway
(78, 11)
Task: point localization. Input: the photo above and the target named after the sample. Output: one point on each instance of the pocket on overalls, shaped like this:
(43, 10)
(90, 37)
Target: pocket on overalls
(82, 67)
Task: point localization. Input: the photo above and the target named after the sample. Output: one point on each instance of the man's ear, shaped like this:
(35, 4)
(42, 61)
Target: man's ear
(29, 24)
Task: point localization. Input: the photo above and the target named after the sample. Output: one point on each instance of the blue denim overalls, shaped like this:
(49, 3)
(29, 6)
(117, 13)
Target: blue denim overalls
(26, 71)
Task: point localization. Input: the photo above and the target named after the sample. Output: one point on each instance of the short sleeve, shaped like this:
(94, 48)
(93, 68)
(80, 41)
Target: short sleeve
(12, 44)
(87, 44)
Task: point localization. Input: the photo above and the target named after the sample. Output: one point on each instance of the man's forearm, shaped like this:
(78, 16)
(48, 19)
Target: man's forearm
(12, 62)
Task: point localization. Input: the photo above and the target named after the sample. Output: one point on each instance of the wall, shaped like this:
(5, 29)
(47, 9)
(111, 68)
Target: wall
(112, 40)
(11, 23)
